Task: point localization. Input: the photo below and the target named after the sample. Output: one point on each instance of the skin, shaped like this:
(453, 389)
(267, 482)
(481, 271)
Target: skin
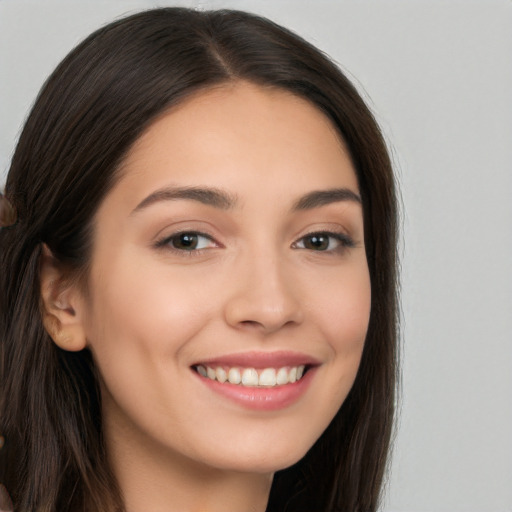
(153, 310)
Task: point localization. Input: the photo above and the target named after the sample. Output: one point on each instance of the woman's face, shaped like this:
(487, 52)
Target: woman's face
(231, 248)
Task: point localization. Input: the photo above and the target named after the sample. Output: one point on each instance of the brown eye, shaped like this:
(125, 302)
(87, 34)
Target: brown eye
(318, 242)
(324, 242)
(187, 241)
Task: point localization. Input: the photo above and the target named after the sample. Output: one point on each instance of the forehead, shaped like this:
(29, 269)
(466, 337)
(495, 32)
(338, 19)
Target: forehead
(240, 133)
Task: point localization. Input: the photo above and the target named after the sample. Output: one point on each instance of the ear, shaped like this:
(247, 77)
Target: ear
(62, 304)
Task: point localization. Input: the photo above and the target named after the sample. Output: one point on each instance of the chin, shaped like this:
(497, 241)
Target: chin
(266, 460)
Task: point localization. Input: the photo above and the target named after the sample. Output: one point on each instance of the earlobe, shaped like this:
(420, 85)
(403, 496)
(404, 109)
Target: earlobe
(61, 305)
(65, 335)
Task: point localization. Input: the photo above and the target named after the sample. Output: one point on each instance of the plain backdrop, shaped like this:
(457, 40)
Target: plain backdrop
(438, 76)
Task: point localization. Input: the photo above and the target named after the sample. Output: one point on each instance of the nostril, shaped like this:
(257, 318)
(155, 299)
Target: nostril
(251, 323)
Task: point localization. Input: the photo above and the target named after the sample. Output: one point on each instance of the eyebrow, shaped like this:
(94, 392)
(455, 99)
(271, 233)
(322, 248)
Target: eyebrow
(319, 198)
(223, 200)
(205, 195)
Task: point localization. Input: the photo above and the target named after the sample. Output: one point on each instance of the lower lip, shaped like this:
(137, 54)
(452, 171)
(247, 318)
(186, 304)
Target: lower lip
(262, 399)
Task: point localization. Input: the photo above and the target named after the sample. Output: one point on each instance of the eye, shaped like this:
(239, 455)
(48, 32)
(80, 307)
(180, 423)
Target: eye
(324, 241)
(187, 241)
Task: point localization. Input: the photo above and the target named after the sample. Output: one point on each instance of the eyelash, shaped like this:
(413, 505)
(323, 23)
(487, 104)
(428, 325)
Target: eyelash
(166, 243)
(344, 241)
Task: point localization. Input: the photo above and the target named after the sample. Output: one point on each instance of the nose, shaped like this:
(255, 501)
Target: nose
(264, 297)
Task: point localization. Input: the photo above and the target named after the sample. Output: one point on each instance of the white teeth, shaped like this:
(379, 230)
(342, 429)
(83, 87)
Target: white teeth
(234, 376)
(251, 377)
(267, 377)
(282, 377)
(221, 374)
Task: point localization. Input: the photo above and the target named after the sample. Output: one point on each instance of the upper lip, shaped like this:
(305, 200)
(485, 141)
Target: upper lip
(260, 360)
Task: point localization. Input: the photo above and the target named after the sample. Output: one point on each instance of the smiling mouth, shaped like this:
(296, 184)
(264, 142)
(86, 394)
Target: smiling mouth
(252, 377)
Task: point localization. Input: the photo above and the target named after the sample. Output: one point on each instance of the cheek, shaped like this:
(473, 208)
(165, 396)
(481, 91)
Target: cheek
(145, 304)
(136, 329)
(343, 310)
(138, 337)
(342, 316)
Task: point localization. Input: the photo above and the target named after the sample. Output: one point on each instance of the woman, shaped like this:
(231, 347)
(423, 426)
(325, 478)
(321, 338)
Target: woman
(198, 302)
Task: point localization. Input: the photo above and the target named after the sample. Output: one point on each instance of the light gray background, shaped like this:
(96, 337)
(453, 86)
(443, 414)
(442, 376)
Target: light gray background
(439, 77)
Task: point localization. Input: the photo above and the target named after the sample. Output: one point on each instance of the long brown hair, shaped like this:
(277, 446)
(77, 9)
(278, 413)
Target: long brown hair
(91, 110)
